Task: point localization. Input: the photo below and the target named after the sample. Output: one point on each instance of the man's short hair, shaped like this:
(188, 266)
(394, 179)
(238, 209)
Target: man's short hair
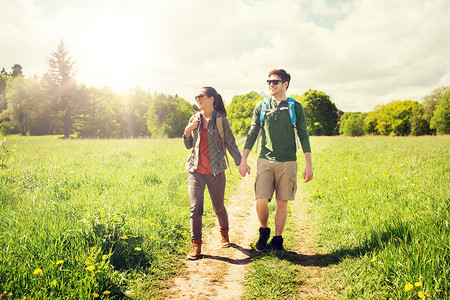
(282, 74)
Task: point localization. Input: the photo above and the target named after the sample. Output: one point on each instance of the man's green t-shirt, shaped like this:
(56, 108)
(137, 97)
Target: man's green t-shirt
(278, 136)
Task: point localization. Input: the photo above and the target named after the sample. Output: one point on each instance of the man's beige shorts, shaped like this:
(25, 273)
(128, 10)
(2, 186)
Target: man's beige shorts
(278, 176)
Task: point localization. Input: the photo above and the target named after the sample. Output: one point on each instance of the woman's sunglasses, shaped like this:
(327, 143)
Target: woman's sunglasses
(274, 82)
(198, 97)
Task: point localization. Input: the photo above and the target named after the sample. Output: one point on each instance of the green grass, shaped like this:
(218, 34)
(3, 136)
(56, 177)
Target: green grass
(381, 207)
(381, 211)
(120, 207)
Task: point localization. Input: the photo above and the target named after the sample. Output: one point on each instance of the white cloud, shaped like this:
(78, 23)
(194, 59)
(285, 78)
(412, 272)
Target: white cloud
(361, 53)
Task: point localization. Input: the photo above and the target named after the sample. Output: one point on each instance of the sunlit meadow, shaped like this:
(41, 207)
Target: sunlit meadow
(81, 219)
(381, 208)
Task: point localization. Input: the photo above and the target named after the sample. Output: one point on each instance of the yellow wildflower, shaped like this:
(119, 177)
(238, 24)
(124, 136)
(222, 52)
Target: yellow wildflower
(137, 249)
(408, 287)
(421, 295)
(124, 237)
(95, 295)
(105, 257)
(106, 292)
(37, 272)
(60, 262)
(184, 232)
(419, 283)
(91, 268)
(374, 259)
(152, 237)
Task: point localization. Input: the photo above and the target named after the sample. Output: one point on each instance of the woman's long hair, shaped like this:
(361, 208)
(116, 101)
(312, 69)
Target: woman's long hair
(218, 102)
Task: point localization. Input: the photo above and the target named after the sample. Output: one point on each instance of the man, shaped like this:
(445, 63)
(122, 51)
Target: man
(277, 162)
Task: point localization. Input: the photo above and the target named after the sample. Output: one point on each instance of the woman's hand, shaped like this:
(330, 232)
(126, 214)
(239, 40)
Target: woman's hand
(190, 127)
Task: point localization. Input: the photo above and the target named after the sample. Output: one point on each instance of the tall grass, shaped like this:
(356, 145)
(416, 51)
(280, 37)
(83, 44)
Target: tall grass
(381, 207)
(87, 218)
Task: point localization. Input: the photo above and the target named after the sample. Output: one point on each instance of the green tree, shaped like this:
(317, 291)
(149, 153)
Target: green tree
(240, 112)
(40, 123)
(352, 124)
(3, 81)
(321, 113)
(132, 114)
(441, 118)
(397, 117)
(371, 121)
(16, 70)
(431, 101)
(4, 73)
(167, 116)
(60, 77)
(96, 117)
(20, 106)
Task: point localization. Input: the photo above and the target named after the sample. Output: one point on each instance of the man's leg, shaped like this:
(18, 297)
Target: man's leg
(262, 209)
(280, 216)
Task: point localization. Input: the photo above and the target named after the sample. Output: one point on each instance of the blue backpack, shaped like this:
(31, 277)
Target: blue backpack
(265, 110)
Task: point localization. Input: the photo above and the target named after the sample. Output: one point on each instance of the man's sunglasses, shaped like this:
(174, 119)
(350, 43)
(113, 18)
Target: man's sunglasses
(198, 97)
(274, 82)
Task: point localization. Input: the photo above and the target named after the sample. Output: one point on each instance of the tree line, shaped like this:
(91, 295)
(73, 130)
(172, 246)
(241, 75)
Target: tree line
(402, 117)
(56, 105)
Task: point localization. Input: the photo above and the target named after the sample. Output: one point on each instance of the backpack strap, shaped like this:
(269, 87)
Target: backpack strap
(222, 137)
(265, 110)
(291, 106)
(262, 115)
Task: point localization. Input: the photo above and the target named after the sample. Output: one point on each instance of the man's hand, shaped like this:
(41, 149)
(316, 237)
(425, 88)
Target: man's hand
(308, 174)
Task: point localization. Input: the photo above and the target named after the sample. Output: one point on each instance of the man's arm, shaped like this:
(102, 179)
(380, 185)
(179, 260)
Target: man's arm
(308, 173)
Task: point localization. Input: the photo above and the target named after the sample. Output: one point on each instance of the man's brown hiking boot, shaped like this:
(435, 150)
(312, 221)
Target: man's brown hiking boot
(196, 250)
(225, 242)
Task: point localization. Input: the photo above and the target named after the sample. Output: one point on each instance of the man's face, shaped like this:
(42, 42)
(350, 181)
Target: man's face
(277, 89)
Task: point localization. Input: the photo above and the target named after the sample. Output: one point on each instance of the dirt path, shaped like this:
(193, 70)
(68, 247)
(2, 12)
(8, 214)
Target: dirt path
(220, 273)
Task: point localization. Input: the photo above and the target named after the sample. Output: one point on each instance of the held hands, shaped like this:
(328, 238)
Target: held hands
(244, 168)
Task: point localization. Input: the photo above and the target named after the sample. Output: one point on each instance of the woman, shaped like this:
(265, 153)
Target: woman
(206, 164)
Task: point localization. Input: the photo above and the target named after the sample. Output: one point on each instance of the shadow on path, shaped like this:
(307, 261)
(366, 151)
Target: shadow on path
(314, 260)
(239, 261)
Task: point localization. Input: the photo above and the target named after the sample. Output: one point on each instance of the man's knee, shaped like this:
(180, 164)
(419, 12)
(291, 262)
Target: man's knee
(282, 205)
(262, 201)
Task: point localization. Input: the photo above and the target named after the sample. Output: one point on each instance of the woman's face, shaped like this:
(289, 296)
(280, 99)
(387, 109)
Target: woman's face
(203, 101)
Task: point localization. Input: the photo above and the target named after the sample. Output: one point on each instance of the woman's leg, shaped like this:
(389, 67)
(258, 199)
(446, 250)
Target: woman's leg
(216, 189)
(196, 187)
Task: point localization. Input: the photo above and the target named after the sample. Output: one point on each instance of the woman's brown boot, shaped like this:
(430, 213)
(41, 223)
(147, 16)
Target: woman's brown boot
(196, 249)
(225, 242)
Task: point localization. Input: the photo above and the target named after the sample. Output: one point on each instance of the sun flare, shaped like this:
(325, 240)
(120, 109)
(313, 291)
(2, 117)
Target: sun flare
(115, 50)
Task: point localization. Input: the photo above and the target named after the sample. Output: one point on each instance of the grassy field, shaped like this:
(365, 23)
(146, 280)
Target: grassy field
(81, 219)
(381, 210)
(109, 218)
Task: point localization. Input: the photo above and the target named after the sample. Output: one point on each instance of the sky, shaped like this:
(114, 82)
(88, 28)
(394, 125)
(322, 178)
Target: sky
(360, 53)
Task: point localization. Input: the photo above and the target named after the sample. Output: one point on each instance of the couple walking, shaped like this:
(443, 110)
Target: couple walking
(277, 120)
